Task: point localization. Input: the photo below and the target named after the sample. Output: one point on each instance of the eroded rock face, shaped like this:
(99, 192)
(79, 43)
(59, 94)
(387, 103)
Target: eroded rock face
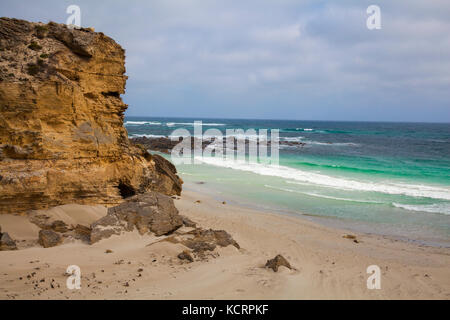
(62, 138)
(151, 212)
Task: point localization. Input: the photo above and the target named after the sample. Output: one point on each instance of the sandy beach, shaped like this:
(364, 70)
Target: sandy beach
(327, 265)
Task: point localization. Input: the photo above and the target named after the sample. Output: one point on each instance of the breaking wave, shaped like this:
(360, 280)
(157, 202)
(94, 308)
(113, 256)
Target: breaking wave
(443, 208)
(295, 175)
(140, 123)
(172, 124)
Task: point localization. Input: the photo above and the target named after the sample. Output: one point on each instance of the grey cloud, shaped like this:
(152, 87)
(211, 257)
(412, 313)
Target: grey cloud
(295, 59)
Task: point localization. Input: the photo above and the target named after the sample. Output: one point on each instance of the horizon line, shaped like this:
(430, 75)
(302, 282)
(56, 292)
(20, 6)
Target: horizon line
(315, 120)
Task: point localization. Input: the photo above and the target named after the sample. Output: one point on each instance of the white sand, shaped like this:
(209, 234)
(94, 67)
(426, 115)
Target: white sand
(328, 265)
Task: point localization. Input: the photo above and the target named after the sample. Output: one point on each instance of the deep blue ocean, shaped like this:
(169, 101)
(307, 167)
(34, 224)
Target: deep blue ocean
(384, 178)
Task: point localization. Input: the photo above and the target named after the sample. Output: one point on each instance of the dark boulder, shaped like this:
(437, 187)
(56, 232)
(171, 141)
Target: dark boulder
(188, 222)
(185, 255)
(201, 240)
(49, 238)
(148, 213)
(83, 233)
(6, 242)
(59, 226)
(277, 262)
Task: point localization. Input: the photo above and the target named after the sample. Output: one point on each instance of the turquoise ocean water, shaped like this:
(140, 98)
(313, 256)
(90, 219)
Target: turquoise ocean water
(383, 178)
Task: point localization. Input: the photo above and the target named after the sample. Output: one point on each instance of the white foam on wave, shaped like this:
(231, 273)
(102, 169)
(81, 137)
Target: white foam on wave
(335, 144)
(238, 136)
(302, 139)
(292, 175)
(138, 123)
(321, 195)
(292, 139)
(443, 208)
(172, 124)
(147, 135)
(186, 174)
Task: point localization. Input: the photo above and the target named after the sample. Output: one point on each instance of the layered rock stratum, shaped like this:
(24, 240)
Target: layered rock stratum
(62, 138)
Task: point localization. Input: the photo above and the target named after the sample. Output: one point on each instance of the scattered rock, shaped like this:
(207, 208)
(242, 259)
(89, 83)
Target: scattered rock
(150, 212)
(49, 238)
(6, 242)
(277, 262)
(198, 201)
(199, 246)
(59, 226)
(208, 239)
(188, 222)
(108, 251)
(40, 219)
(351, 237)
(185, 255)
(83, 233)
(105, 227)
(223, 202)
(201, 240)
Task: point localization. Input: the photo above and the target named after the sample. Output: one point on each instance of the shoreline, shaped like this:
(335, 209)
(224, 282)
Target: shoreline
(328, 266)
(345, 225)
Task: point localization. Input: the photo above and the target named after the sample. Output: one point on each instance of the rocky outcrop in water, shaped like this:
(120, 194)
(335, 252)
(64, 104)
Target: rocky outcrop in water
(62, 138)
(165, 145)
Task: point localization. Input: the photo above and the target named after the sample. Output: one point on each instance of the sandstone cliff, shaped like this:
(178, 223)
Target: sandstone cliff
(62, 138)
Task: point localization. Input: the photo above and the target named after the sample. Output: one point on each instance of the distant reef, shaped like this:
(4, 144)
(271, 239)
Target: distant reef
(62, 138)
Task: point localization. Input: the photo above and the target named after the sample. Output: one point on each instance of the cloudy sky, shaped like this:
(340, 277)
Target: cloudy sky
(284, 59)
